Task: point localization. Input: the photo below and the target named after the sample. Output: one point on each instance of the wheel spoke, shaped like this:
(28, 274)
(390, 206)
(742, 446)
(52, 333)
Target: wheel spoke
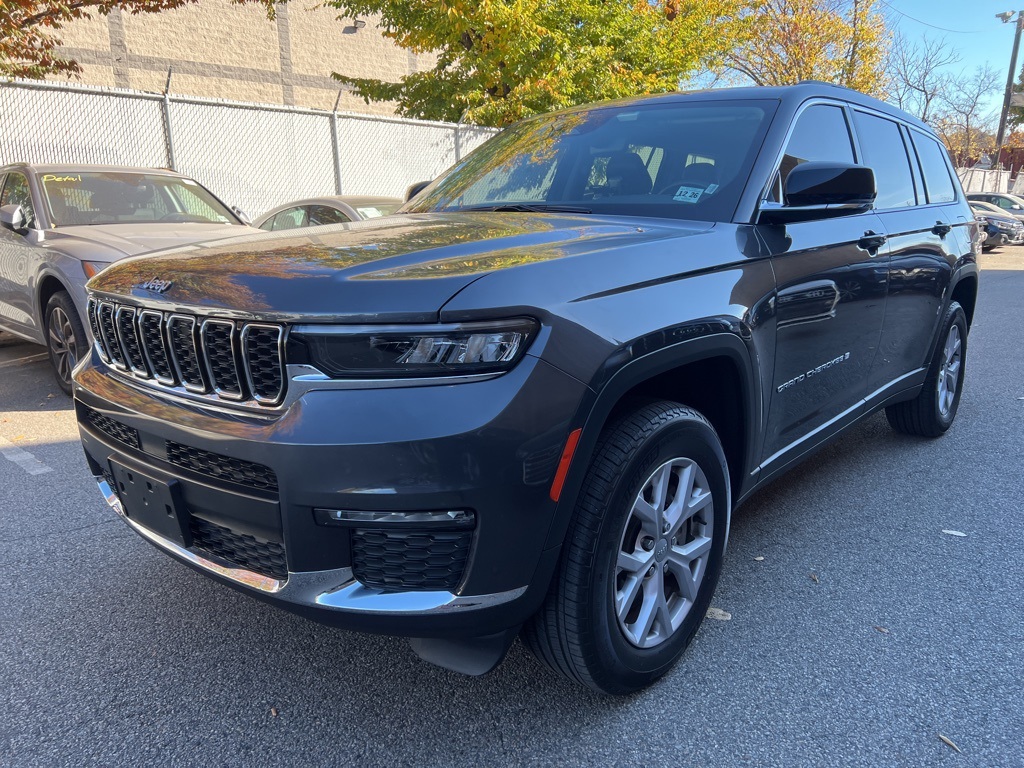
(649, 608)
(632, 562)
(625, 597)
(649, 516)
(679, 509)
(56, 338)
(660, 489)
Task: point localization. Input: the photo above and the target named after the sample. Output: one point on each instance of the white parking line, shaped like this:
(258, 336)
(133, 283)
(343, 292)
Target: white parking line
(22, 458)
(24, 360)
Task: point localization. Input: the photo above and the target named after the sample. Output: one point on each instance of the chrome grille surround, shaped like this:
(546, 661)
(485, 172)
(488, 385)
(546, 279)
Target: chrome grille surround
(192, 356)
(128, 335)
(260, 343)
(184, 348)
(105, 318)
(218, 342)
(154, 346)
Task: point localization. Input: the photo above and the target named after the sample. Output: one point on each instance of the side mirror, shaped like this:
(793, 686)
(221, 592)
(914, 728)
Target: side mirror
(415, 189)
(821, 190)
(242, 215)
(12, 217)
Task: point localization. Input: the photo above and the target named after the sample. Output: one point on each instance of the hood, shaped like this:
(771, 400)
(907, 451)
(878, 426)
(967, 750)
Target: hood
(401, 269)
(110, 242)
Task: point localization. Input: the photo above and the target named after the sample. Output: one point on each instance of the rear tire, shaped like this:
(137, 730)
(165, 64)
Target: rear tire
(932, 412)
(65, 338)
(642, 555)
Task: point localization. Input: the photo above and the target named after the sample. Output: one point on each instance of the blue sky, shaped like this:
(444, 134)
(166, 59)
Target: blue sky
(970, 27)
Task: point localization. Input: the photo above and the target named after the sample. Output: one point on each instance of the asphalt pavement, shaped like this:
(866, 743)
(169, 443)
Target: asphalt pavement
(860, 629)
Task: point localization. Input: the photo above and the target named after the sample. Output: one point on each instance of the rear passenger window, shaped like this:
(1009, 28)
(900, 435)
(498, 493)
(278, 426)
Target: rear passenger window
(820, 133)
(884, 151)
(936, 171)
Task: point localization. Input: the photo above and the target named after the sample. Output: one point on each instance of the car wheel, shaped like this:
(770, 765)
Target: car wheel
(643, 553)
(932, 412)
(65, 338)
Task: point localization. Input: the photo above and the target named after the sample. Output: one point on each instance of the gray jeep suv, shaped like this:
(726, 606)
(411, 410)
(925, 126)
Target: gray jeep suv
(529, 403)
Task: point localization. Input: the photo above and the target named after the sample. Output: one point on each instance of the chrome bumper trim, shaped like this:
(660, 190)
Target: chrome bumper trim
(334, 590)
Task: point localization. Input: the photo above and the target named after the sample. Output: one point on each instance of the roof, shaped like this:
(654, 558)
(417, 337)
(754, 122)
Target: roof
(85, 168)
(785, 93)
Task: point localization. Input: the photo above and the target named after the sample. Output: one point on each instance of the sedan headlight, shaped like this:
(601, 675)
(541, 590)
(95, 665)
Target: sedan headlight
(405, 351)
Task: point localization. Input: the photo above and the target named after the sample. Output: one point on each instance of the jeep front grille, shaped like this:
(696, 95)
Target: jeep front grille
(222, 359)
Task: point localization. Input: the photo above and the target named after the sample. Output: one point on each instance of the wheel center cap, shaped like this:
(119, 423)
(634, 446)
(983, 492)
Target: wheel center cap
(661, 551)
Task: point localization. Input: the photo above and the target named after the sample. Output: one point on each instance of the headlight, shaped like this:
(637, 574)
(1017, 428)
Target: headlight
(404, 351)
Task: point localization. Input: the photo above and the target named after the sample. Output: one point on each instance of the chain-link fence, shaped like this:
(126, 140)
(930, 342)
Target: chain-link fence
(254, 156)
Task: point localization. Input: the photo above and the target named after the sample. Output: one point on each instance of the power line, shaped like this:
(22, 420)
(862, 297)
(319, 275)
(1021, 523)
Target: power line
(891, 7)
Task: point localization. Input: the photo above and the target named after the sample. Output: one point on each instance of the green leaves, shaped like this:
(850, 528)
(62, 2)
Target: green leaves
(501, 60)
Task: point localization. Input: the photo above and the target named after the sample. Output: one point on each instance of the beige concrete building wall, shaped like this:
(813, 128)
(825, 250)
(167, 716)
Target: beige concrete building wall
(218, 49)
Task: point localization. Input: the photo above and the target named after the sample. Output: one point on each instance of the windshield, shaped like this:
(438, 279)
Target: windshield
(678, 160)
(121, 198)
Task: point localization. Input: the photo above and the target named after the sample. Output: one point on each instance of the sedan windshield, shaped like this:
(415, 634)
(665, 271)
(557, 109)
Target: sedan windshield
(684, 160)
(121, 198)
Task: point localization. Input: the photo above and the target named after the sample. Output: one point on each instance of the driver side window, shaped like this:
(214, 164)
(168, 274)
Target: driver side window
(820, 134)
(16, 192)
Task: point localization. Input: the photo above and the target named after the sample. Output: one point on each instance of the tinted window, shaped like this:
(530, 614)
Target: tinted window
(16, 192)
(820, 134)
(324, 214)
(686, 160)
(885, 153)
(936, 171)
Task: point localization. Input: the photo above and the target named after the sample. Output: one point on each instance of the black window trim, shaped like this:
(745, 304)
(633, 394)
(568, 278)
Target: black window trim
(950, 171)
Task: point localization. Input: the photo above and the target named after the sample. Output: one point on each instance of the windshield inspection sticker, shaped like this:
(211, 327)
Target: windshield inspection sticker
(688, 194)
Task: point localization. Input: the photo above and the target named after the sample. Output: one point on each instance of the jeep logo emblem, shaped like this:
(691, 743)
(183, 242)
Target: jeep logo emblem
(155, 285)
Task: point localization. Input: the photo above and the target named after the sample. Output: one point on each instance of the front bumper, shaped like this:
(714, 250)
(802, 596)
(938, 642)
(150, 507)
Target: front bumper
(491, 447)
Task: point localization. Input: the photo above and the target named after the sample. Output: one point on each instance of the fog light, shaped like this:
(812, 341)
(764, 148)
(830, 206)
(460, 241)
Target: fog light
(453, 518)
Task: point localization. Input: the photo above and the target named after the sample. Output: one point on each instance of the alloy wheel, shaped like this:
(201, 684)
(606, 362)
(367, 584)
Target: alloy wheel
(663, 554)
(63, 344)
(949, 372)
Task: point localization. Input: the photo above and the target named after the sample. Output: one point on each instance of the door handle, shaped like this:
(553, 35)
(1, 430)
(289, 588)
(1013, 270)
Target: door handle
(941, 229)
(872, 241)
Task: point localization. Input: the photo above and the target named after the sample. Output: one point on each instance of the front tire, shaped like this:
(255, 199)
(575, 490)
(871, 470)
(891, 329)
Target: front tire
(65, 338)
(932, 412)
(643, 553)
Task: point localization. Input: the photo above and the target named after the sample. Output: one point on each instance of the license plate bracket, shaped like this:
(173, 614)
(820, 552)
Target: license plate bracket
(155, 504)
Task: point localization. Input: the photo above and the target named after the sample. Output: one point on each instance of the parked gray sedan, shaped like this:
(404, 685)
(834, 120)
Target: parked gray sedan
(62, 224)
(331, 209)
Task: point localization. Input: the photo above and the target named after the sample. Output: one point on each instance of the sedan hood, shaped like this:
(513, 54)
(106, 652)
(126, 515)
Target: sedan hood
(401, 269)
(109, 242)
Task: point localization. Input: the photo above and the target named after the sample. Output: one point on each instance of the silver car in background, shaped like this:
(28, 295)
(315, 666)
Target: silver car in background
(330, 209)
(62, 224)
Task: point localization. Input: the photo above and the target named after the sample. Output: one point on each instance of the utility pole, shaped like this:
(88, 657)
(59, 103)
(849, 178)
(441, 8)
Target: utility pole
(1000, 135)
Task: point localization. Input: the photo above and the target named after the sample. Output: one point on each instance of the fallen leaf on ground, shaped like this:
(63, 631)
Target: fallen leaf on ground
(273, 711)
(759, 558)
(718, 614)
(948, 533)
(814, 578)
(883, 630)
(949, 743)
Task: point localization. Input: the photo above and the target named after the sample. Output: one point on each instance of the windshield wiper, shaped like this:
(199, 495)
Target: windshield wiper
(527, 208)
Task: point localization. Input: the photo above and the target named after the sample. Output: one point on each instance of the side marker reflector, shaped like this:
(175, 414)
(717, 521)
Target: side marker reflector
(564, 462)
